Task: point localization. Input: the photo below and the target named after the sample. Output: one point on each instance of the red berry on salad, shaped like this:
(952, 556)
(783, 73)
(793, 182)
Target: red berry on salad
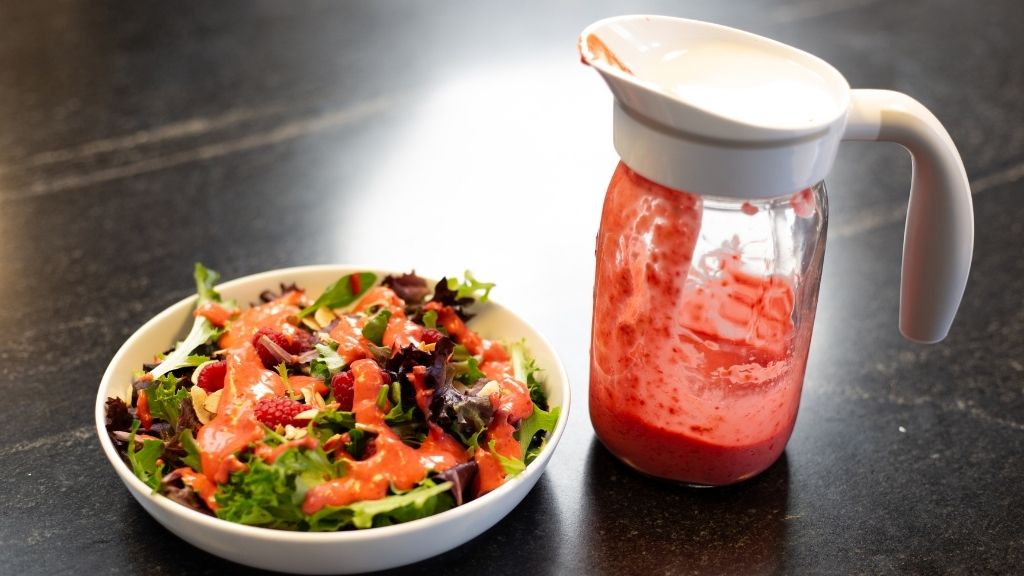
(211, 376)
(343, 385)
(302, 341)
(279, 349)
(278, 410)
(431, 336)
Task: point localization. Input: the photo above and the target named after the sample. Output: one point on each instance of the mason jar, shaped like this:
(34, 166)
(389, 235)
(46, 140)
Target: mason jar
(703, 312)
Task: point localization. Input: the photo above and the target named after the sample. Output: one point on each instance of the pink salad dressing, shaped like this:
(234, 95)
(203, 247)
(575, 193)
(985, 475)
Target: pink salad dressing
(696, 368)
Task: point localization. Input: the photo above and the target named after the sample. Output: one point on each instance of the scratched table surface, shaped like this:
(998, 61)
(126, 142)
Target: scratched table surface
(139, 137)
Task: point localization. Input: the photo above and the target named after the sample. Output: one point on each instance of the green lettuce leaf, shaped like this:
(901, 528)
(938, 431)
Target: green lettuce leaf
(195, 360)
(202, 332)
(473, 441)
(271, 495)
(165, 398)
(192, 458)
(375, 327)
(539, 421)
(342, 292)
(525, 370)
(381, 354)
(330, 357)
(144, 462)
(468, 372)
(334, 421)
(512, 466)
(392, 394)
(382, 397)
(460, 353)
(356, 445)
(425, 500)
(407, 423)
(470, 288)
(430, 319)
(206, 279)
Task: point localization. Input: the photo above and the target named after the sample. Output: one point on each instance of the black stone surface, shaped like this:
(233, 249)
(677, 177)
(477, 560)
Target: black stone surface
(138, 137)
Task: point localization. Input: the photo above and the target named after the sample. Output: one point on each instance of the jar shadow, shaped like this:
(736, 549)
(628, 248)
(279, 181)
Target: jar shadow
(636, 524)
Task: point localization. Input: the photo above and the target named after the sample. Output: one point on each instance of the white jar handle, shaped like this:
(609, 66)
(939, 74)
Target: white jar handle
(939, 237)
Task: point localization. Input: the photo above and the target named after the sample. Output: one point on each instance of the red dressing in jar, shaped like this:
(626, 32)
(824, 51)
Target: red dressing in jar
(694, 377)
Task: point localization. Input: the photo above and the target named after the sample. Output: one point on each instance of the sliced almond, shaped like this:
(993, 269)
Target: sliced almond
(307, 394)
(324, 315)
(199, 398)
(212, 401)
(311, 398)
(306, 414)
(318, 402)
(294, 433)
(311, 324)
(490, 388)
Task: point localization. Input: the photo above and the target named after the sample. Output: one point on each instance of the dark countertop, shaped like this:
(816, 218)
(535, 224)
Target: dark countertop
(139, 137)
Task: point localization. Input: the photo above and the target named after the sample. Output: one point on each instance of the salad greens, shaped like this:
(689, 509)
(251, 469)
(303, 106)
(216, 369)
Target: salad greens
(340, 418)
(191, 457)
(342, 292)
(525, 370)
(538, 422)
(470, 288)
(145, 461)
(165, 398)
(202, 330)
(512, 466)
(425, 500)
(271, 494)
(376, 325)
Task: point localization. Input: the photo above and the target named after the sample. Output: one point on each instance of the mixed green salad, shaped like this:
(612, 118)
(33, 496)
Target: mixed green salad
(371, 404)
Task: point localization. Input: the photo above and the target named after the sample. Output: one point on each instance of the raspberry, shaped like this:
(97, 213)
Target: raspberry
(278, 410)
(211, 377)
(343, 384)
(269, 358)
(431, 336)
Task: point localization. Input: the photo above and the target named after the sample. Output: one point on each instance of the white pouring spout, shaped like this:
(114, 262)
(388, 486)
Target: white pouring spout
(721, 112)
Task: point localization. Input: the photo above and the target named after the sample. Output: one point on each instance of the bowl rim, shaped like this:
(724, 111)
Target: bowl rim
(140, 489)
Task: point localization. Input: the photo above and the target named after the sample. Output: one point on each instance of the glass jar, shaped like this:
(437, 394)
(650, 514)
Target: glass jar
(703, 311)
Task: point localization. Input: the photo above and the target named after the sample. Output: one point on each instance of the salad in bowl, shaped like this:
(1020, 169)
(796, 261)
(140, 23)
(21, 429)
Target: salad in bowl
(368, 404)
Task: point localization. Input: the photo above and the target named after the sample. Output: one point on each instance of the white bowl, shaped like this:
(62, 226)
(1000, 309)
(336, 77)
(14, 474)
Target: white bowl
(325, 552)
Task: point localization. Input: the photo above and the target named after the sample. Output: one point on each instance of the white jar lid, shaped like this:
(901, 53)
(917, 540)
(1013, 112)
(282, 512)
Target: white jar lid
(717, 111)
(720, 112)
